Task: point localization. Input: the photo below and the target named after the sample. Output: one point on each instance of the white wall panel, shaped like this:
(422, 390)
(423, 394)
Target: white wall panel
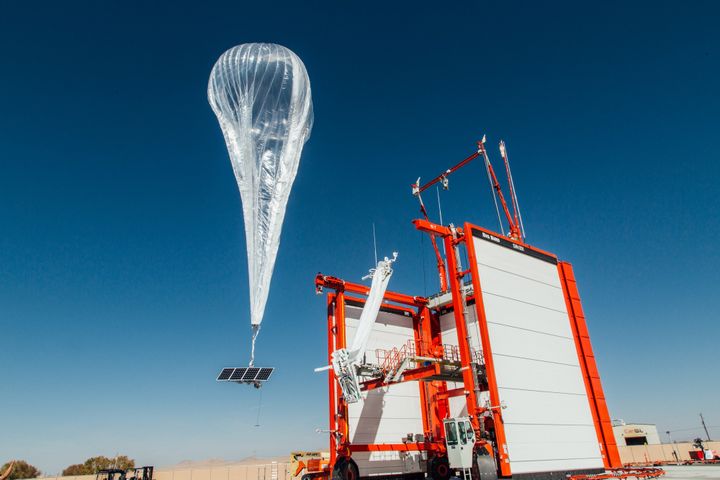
(547, 408)
(501, 258)
(518, 342)
(533, 375)
(548, 424)
(385, 415)
(523, 289)
(556, 465)
(508, 311)
(554, 436)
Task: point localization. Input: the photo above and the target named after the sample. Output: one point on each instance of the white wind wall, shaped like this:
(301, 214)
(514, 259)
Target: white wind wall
(548, 423)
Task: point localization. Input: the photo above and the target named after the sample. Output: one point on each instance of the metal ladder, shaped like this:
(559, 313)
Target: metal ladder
(467, 474)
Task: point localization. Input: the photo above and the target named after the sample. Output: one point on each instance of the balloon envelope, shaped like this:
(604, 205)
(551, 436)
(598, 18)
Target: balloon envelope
(260, 93)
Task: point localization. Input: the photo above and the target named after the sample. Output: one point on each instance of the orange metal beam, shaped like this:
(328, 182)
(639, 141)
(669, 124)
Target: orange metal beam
(343, 428)
(459, 306)
(395, 447)
(504, 459)
(588, 365)
(421, 372)
(410, 375)
(334, 283)
(331, 377)
(421, 332)
(440, 406)
(431, 228)
(456, 392)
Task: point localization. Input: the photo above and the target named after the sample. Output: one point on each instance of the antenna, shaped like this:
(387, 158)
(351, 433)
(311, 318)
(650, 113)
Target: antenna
(707, 434)
(437, 190)
(375, 244)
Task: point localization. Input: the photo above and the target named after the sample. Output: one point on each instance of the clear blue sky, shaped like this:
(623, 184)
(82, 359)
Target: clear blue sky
(123, 283)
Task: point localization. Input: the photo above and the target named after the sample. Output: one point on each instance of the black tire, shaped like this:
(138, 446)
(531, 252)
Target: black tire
(345, 469)
(439, 468)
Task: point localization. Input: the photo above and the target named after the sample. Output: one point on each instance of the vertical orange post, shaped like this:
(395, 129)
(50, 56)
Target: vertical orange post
(588, 365)
(421, 322)
(331, 378)
(440, 404)
(340, 342)
(458, 302)
(504, 459)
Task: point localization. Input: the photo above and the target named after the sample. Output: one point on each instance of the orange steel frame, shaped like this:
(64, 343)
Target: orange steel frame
(434, 394)
(453, 239)
(340, 444)
(591, 377)
(503, 458)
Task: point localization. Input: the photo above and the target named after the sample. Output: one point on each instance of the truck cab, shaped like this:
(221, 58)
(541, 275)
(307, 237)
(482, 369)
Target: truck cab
(460, 442)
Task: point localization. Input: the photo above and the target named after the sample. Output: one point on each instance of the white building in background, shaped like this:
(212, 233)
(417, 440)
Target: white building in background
(629, 434)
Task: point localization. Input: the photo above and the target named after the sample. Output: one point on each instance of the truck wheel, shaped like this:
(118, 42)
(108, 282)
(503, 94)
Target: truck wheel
(439, 468)
(345, 469)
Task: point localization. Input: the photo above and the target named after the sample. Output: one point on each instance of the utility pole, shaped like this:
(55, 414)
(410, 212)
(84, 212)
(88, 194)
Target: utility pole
(674, 447)
(705, 427)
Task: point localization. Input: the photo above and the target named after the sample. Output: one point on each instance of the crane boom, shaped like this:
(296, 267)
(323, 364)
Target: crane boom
(514, 219)
(417, 189)
(513, 194)
(514, 229)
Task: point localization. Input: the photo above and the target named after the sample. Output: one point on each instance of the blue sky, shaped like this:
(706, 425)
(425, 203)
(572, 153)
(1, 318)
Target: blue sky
(123, 284)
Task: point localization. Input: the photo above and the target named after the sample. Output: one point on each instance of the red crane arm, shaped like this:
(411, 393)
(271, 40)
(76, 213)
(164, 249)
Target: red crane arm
(514, 229)
(417, 189)
(513, 221)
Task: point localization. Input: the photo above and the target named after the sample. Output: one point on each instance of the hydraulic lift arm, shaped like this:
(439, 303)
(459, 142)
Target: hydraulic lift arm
(380, 279)
(345, 361)
(514, 219)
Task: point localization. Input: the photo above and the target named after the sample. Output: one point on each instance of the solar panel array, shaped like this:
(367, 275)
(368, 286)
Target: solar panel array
(245, 375)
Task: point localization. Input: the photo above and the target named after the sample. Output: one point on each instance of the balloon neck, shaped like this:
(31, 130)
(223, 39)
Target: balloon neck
(255, 332)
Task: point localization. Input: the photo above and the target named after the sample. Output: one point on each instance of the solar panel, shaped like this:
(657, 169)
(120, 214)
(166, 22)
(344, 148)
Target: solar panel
(264, 374)
(248, 375)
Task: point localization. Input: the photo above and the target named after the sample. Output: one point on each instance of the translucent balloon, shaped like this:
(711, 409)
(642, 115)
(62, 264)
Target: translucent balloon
(260, 93)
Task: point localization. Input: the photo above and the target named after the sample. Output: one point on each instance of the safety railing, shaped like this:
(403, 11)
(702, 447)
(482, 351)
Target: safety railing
(390, 360)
